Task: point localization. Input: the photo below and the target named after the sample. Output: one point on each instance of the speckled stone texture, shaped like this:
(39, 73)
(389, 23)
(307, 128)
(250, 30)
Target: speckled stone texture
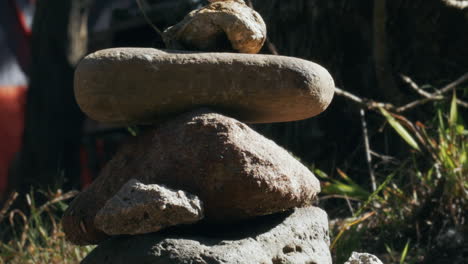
(138, 208)
(236, 172)
(298, 237)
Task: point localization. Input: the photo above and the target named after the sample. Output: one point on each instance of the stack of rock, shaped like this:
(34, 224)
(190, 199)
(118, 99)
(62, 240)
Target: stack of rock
(198, 185)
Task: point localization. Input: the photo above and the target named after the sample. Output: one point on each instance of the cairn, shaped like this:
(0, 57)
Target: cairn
(199, 185)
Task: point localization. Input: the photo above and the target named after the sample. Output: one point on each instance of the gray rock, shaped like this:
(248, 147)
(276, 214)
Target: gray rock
(236, 172)
(363, 258)
(219, 26)
(298, 238)
(141, 209)
(143, 86)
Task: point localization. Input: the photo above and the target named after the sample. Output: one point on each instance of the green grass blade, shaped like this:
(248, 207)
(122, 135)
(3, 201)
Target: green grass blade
(405, 135)
(453, 110)
(404, 253)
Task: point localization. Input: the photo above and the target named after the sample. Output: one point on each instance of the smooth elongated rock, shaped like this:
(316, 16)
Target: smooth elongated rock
(236, 172)
(219, 26)
(298, 238)
(142, 86)
(141, 209)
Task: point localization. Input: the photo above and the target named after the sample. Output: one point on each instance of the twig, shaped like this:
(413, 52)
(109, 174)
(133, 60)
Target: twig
(462, 103)
(140, 6)
(415, 87)
(415, 104)
(436, 96)
(453, 84)
(384, 158)
(367, 149)
(428, 97)
(363, 102)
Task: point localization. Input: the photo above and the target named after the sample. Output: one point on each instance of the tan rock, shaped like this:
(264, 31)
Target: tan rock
(142, 86)
(138, 208)
(219, 26)
(236, 172)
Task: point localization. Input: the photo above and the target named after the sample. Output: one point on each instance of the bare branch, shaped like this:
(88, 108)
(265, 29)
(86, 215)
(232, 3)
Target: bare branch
(462, 103)
(453, 84)
(349, 96)
(415, 87)
(363, 102)
(416, 103)
(436, 96)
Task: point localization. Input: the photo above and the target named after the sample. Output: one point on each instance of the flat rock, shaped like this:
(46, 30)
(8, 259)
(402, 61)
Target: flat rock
(219, 26)
(236, 172)
(130, 86)
(300, 237)
(138, 208)
(363, 258)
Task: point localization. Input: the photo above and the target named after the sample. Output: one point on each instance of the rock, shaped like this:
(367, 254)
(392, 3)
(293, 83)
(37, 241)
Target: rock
(219, 26)
(298, 238)
(363, 258)
(141, 209)
(236, 172)
(130, 86)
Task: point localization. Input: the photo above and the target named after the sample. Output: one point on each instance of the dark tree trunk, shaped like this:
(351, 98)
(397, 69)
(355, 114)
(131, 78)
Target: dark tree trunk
(50, 151)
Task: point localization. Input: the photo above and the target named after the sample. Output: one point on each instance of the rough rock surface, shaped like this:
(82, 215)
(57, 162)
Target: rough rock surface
(141, 86)
(298, 238)
(141, 209)
(219, 26)
(363, 258)
(236, 172)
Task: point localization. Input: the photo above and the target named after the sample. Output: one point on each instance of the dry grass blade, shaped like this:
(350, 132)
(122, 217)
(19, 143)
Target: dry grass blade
(24, 235)
(347, 226)
(60, 198)
(8, 203)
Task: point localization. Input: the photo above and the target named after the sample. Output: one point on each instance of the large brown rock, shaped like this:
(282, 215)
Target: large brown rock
(236, 172)
(141, 86)
(139, 208)
(219, 26)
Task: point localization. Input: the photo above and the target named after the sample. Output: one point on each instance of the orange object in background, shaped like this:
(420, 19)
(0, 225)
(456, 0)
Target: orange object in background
(12, 106)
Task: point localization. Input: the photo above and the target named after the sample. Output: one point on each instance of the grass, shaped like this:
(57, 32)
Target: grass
(34, 234)
(420, 202)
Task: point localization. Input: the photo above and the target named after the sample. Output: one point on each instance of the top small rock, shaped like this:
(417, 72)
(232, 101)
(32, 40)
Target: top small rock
(222, 25)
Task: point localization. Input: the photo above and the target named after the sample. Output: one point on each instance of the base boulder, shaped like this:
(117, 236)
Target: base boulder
(297, 237)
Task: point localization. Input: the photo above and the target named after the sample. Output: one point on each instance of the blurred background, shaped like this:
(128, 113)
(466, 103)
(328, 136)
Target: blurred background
(375, 49)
